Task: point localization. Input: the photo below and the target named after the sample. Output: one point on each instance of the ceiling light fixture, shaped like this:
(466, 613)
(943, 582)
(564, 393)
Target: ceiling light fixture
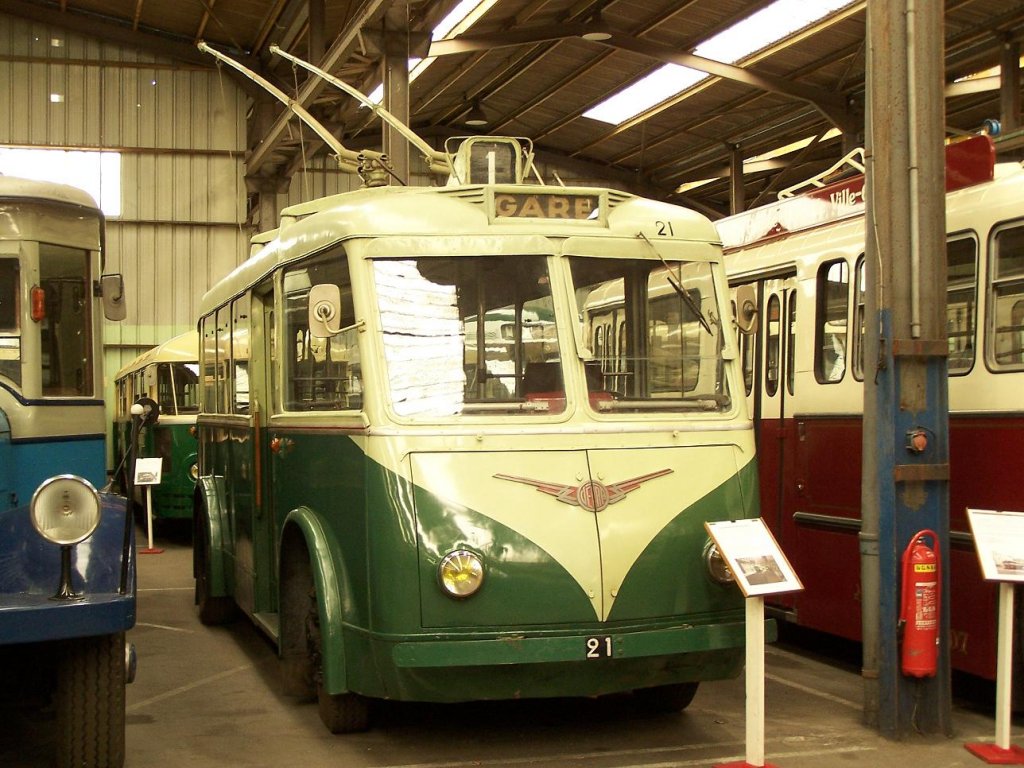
(596, 30)
(476, 116)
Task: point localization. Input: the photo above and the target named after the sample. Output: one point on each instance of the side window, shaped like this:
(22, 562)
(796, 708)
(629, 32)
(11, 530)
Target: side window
(791, 342)
(961, 303)
(209, 332)
(1006, 310)
(859, 320)
(10, 335)
(833, 291)
(772, 339)
(320, 374)
(223, 343)
(240, 353)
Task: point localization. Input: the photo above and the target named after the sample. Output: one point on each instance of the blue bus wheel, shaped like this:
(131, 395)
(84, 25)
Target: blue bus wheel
(90, 702)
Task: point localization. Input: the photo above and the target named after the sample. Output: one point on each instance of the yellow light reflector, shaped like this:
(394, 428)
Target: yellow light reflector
(460, 573)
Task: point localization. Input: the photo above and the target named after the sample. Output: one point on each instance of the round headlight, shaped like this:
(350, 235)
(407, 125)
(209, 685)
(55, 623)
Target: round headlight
(65, 509)
(193, 471)
(717, 567)
(460, 573)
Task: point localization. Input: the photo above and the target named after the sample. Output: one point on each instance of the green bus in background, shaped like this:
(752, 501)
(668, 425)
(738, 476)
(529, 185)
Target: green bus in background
(169, 375)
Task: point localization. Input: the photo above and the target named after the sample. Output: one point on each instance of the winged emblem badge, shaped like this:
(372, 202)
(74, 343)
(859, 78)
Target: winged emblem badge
(591, 495)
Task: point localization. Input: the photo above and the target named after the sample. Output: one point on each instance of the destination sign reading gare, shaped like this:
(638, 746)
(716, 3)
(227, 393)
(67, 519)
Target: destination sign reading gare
(544, 205)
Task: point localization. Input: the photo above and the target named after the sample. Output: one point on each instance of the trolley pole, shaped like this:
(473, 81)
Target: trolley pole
(905, 450)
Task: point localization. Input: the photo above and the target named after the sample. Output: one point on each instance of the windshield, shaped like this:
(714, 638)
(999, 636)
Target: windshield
(655, 333)
(65, 332)
(469, 335)
(178, 388)
(10, 333)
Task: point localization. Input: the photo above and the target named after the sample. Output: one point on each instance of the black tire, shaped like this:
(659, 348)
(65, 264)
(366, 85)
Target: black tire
(213, 610)
(90, 703)
(340, 713)
(665, 698)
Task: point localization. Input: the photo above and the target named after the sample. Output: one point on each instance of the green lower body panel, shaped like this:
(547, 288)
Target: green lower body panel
(543, 665)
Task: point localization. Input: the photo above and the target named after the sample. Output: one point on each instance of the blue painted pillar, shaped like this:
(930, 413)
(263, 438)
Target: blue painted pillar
(906, 449)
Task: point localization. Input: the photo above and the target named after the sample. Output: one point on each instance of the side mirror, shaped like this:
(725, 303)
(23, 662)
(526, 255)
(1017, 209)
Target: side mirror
(746, 309)
(112, 290)
(324, 315)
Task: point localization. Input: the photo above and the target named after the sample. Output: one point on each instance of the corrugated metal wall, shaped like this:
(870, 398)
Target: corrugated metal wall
(181, 134)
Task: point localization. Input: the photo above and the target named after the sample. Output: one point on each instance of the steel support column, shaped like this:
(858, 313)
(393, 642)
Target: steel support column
(1009, 86)
(396, 86)
(905, 389)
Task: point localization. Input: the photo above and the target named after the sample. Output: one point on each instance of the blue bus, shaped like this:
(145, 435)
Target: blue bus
(67, 585)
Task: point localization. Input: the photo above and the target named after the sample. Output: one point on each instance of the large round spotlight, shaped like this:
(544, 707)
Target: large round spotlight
(460, 573)
(65, 509)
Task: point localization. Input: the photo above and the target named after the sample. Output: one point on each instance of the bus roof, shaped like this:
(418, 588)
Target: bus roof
(969, 162)
(501, 211)
(13, 188)
(183, 348)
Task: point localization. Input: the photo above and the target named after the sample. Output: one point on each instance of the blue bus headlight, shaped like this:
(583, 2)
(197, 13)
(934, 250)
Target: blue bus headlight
(460, 573)
(65, 509)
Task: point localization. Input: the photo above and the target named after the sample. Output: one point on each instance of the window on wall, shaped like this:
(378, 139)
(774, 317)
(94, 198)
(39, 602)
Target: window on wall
(961, 302)
(320, 374)
(1006, 311)
(98, 173)
(831, 320)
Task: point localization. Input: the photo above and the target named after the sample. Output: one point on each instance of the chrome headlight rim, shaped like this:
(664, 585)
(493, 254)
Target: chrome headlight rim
(86, 494)
(193, 471)
(717, 568)
(460, 574)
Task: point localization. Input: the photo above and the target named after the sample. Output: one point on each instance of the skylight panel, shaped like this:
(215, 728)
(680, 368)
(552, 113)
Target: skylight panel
(652, 89)
(766, 27)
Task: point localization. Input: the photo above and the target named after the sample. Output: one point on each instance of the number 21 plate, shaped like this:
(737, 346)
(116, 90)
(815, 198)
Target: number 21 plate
(599, 647)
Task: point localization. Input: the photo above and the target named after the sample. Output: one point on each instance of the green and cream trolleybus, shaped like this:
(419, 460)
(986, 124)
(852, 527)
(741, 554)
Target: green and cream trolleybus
(168, 374)
(428, 487)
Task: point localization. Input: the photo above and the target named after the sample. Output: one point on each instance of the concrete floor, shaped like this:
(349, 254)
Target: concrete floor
(209, 697)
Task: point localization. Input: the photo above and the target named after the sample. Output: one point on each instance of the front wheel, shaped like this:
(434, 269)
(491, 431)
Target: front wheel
(90, 703)
(665, 698)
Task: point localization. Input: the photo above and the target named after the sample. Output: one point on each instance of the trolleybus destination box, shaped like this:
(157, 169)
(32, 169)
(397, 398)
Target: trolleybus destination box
(754, 557)
(999, 541)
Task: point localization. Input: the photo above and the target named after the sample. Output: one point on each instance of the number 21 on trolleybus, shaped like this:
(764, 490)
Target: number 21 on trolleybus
(805, 372)
(168, 374)
(432, 488)
(67, 583)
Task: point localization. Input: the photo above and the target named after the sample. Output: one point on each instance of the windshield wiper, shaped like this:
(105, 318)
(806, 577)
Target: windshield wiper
(677, 287)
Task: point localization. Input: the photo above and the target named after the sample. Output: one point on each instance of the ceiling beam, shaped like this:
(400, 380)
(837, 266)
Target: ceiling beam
(830, 104)
(340, 49)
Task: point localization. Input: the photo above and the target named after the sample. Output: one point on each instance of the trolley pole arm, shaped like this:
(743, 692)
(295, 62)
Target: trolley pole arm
(348, 160)
(437, 161)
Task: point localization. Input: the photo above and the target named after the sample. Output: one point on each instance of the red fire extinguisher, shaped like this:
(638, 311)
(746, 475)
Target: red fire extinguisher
(919, 609)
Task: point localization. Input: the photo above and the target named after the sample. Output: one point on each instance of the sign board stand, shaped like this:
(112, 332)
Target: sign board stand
(759, 568)
(147, 473)
(994, 534)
